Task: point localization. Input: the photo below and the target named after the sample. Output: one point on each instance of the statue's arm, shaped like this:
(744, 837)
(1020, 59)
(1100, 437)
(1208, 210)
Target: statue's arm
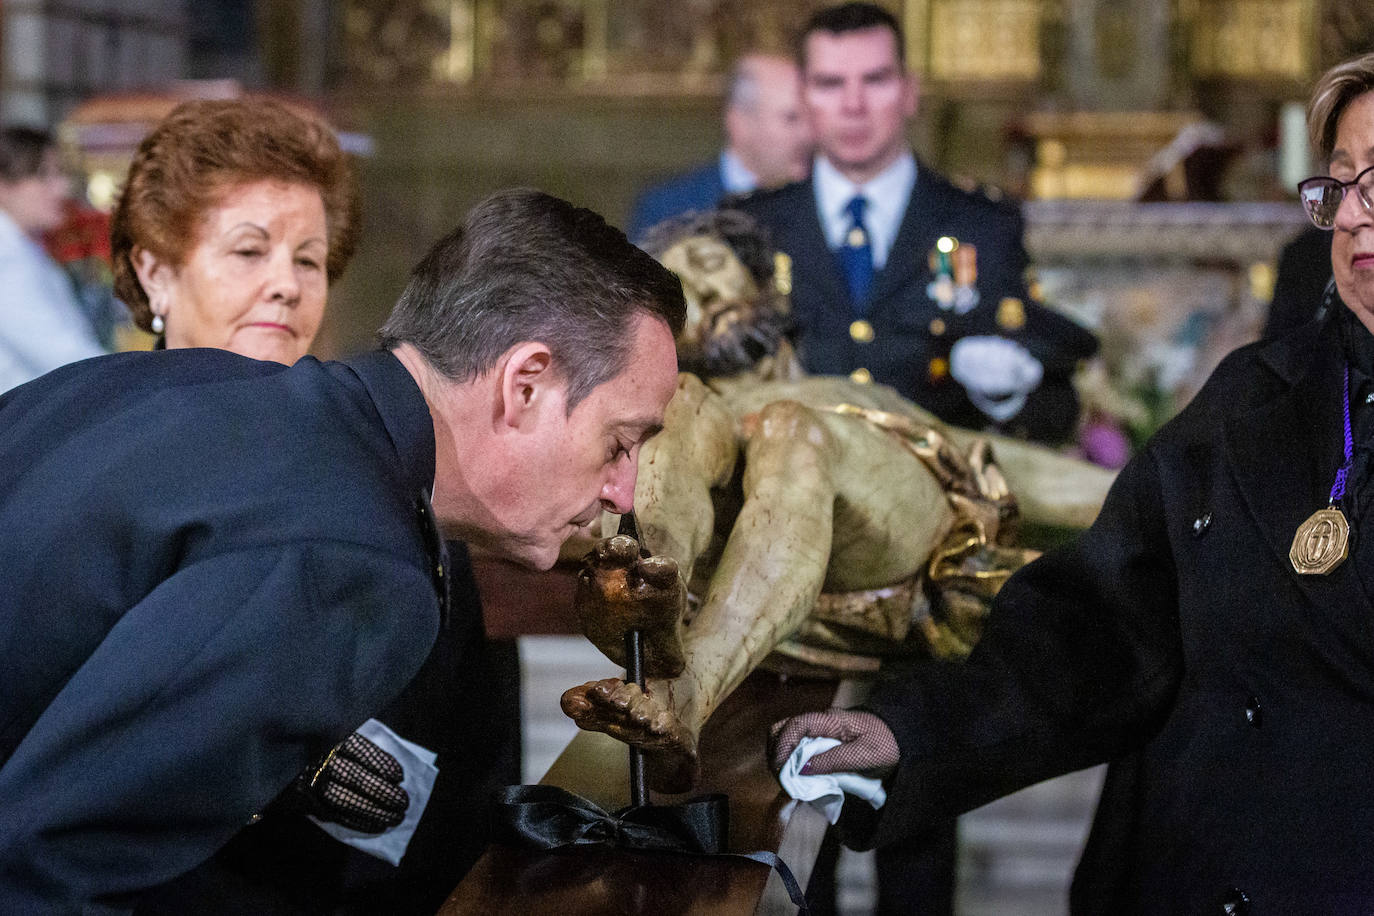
(695, 453)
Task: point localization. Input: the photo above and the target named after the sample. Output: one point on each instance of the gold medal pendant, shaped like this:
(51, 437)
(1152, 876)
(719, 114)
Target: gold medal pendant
(1321, 544)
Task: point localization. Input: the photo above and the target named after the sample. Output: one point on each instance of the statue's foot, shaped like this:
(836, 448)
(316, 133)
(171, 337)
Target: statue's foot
(618, 591)
(636, 717)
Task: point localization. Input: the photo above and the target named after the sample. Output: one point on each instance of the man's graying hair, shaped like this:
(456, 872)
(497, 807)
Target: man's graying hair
(527, 266)
(742, 87)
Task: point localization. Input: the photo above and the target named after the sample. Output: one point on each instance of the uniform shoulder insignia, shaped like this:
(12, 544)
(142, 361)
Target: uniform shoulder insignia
(981, 192)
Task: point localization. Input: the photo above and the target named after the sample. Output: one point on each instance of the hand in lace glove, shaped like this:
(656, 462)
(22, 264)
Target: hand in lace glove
(867, 744)
(356, 785)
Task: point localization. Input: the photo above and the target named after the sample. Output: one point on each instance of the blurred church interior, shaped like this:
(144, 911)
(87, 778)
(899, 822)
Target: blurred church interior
(1154, 146)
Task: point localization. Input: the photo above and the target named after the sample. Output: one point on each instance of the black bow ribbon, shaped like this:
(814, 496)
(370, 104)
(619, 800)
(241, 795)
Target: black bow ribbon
(547, 817)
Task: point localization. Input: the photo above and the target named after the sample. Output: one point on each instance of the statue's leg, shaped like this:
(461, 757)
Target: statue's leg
(629, 714)
(765, 584)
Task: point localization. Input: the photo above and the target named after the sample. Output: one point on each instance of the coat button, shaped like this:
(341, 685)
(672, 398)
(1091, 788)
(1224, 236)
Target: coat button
(1235, 902)
(1254, 715)
(1201, 524)
(861, 376)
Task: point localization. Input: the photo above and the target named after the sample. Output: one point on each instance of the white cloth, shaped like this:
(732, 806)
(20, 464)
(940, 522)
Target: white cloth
(41, 324)
(827, 791)
(886, 195)
(420, 773)
(996, 372)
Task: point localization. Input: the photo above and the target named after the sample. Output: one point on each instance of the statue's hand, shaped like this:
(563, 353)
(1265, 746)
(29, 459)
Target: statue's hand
(618, 590)
(867, 744)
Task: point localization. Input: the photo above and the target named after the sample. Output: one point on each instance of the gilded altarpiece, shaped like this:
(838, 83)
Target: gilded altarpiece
(1252, 39)
(623, 45)
(591, 99)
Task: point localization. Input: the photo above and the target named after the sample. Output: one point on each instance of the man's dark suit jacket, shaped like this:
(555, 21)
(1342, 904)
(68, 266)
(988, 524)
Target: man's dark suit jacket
(912, 334)
(699, 189)
(1234, 697)
(215, 569)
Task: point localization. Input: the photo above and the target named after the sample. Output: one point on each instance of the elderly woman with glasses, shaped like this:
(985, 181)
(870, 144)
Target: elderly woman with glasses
(1212, 635)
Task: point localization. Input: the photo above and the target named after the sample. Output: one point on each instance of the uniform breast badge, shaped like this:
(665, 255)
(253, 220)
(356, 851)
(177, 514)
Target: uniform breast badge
(1323, 541)
(955, 269)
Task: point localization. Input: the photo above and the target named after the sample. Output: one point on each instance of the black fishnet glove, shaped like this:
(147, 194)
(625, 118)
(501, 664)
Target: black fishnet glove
(357, 785)
(867, 747)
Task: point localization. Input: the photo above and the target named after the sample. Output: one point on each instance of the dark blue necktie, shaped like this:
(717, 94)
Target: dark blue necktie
(856, 256)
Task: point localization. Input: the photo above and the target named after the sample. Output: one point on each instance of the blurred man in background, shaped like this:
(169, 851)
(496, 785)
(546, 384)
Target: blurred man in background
(767, 143)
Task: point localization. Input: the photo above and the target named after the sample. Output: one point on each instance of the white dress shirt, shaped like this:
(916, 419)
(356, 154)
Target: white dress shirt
(887, 194)
(736, 178)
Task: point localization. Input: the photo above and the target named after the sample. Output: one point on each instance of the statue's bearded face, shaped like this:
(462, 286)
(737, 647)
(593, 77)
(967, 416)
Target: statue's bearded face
(730, 324)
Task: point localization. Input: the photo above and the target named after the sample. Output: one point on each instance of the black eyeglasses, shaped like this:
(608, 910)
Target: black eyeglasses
(1321, 196)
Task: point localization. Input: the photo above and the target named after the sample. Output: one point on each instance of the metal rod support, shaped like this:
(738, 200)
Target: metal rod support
(634, 674)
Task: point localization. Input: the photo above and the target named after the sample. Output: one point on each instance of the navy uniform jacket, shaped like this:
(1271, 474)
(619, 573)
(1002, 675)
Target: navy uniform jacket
(699, 189)
(912, 335)
(285, 865)
(1234, 697)
(215, 568)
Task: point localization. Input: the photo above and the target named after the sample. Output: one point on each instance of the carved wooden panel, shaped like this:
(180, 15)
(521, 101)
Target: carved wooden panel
(1254, 39)
(978, 39)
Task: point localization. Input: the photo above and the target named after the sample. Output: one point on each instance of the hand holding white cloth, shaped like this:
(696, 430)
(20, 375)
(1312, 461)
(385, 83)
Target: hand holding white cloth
(826, 791)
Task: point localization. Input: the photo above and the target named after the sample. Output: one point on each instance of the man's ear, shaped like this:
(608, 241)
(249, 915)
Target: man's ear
(528, 382)
(737, 125)
(912, 91)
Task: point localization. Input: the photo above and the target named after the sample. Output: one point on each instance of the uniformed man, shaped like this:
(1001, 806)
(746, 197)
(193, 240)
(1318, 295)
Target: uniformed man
(899, 276)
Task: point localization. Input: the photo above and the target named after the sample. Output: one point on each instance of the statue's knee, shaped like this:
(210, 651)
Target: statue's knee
(787, 427)
(790, 420)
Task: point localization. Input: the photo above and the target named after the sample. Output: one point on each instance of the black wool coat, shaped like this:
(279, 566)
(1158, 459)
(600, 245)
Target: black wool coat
(1234, 697)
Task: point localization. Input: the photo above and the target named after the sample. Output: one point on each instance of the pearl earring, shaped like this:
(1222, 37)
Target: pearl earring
(158, 324)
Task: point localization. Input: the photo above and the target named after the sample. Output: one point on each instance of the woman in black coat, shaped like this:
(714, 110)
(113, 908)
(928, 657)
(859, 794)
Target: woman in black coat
(1212, 635)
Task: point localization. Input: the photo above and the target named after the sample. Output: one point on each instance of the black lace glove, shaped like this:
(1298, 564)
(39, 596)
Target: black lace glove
(867, 747)
(356, 785)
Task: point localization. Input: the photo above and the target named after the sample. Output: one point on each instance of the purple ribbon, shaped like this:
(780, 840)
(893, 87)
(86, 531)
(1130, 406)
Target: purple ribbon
(1338, 488)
